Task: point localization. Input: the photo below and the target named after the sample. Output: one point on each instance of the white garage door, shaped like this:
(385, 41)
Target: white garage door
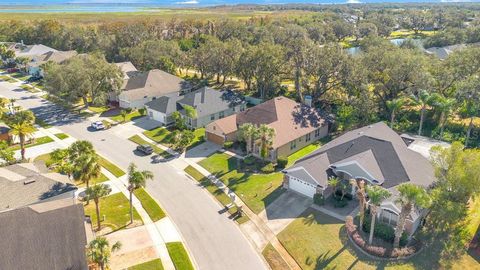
(301, 187)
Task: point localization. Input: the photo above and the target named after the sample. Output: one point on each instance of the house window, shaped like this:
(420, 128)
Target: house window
(317, 133)
(212, 117)
(293, 144)
(308, 137)
(389, 217)
(220, 115)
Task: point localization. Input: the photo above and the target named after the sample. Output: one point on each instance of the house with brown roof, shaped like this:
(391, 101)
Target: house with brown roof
(296, 125)
(375, 154)
(148, 86)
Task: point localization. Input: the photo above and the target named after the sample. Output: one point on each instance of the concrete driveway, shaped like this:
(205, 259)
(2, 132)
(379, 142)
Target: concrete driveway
(202, 151)
(284, 210)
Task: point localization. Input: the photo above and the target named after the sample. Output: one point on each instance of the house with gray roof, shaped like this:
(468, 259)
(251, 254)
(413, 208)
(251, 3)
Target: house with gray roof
(375, 154)
(148, 86)
(209, 105)
(34, 67)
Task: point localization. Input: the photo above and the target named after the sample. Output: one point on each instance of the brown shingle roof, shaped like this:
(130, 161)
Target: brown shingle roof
(289, 118)
(54, 56)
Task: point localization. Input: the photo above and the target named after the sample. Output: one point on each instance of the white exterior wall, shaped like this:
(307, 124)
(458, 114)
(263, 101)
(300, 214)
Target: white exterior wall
(157, 116)
(301, 186)
(133, 104)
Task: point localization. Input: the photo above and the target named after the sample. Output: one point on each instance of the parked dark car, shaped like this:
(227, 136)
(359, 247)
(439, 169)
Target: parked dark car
(145, 148)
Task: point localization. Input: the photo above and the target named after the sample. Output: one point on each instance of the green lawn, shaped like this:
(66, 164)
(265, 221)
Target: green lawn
(20, 76)
(274, 259)
(100, 109)
(37, 141)
(303, 152)
(149, 204)
(116, 209)
(7, 79)
(61, 136)
(151, 265)
(164, 136)
(29, 88)
(256, 190)
(318, 241)
(131, 116)
(179, 256)
(139, 140)
(221, 197)
(111, 167)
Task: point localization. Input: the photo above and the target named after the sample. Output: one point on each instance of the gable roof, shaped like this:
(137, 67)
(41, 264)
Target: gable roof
(375, 148)
(128, 69)
(153, 83)
(54, 56)
(207, 101)
(289, 118)
(24, 184)
(31, 50)
(165, 104)
(45, 236)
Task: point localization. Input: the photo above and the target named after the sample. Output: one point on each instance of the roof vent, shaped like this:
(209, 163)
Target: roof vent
(360, 133)
(29, 181)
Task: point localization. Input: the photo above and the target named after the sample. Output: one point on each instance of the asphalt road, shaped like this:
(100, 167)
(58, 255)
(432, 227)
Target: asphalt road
(214, 241)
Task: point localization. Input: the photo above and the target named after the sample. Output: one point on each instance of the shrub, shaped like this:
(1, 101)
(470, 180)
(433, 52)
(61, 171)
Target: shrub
(339, 203)
(351, 228)
(227, 145)
(269, 168)
(282, 162)
(402, 252)
(142, 111)
(358, 239)
(376, 250)
(348, 196)
(318, 199)
(249, 160)
(383, 231)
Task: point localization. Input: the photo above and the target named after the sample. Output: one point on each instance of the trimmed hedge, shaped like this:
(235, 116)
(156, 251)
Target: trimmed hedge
(282, 162)
(383, 231)
(269, 168)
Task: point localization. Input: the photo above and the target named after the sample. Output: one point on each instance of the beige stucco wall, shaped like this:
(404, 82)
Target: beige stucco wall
(205, 120)
(301, 142)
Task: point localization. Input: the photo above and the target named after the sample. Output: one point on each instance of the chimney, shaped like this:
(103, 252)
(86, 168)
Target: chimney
(307, 100)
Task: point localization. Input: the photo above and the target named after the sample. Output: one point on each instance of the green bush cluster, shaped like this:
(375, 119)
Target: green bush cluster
(227, 145)
(249, 160)
(282, 162)
(268, 168)
(318, 199)
(383, 231)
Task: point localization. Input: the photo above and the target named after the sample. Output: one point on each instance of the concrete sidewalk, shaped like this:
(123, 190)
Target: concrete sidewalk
(259, 233)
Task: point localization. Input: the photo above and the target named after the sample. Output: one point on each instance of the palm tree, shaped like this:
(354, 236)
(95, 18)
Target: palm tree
(361, 196)
(335, 182)
(248, 132)
(124, 115)
(23, 130)
(86, 167)
(266, 135)
(376, 195)
(423, 99)
(136, 179)
(99, 251)
(12, 105)
(394, 106)
(444, 105)
(79, 148)
(95, 193)
(410, 195)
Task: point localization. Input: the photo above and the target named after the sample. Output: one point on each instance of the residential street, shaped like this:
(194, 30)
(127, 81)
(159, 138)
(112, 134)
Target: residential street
(214, 241)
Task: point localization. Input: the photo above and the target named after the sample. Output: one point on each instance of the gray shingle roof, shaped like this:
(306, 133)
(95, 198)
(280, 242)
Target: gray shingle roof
(396, 163)
(207, 101)
(45, 236)
(23, 184)
(165, 104)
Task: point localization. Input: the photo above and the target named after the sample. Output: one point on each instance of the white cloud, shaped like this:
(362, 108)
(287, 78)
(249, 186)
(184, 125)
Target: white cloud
(353, 2)
(192, 2)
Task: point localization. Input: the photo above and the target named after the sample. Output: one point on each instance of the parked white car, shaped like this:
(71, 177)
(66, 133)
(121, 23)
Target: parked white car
(98, 125)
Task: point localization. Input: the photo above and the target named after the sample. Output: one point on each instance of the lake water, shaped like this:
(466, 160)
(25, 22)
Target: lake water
(31, 6)
(395, 41)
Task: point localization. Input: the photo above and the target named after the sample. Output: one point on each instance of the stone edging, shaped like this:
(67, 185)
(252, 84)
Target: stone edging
(373, 257)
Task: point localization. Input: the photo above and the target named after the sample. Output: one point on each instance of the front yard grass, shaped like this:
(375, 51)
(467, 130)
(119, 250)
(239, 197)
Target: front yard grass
(140, 141)
(110, 167)
(99, 109)
(303, 152)
(149, 204)
(256, 190)
(116, 210)
(164, 136)
(318, 241)
(150, 265)
(29, 88)
(7, 79)
(20, 76)
(131, 116)
(219, 195)
(179, 256)
(37, 141)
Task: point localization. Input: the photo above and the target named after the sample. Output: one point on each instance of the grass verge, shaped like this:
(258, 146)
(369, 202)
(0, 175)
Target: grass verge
(140, 141)
(274, 259)
(116, 210)
(219, 195)
(149, 204)
(179, 256)
(150, 265)
(131, 116)
(164, 136)
(111, 167)
(61, 136)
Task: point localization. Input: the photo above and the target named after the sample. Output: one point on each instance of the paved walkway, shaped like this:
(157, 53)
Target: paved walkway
(261, 233)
